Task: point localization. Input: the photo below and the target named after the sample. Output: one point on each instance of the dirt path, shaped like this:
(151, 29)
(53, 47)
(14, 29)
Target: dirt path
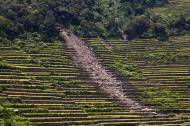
(84, 57)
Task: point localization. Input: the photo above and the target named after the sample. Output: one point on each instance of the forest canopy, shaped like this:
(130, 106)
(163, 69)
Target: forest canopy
(87, 18)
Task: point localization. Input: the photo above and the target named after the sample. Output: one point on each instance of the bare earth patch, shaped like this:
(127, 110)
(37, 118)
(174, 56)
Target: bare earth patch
(84, 57)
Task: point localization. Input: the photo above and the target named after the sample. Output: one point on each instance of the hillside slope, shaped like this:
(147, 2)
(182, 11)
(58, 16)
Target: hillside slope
(45, 81)
(46, 87)
(87, 60)
(163, 83)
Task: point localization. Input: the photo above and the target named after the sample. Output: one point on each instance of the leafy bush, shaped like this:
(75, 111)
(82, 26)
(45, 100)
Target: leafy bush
(4, 65)
(9, 118)
(162, 98)
(124, 69)
(137, 27)
(160, 32)
(165, 57)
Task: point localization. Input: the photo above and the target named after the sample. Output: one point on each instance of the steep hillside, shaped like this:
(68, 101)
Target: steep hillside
(85, 58)
(162, 79)
(46, 87)
(94, 63)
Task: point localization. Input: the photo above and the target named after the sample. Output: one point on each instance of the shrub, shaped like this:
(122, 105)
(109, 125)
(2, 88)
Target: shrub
(4, 65)
(162, 98)
(9, 118)
(124, 69)
(138, 26)
(165, 57)
(160, 32)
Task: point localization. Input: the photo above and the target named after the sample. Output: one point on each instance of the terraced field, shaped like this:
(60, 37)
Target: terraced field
(175, 7)
(40, 82)
(49, 90)
(163, 82)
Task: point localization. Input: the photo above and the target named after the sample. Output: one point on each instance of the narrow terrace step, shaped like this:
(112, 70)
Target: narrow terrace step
(38, 97)
(58, 119)
(47, 102)
(22, 86)
(49, 115)
(23, 94)
(68, 123)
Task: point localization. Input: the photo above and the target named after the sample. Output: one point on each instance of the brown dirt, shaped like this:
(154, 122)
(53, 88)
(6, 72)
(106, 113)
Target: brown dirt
(84, 57)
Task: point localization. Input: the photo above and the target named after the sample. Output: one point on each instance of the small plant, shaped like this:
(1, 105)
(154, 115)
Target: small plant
(2, 88)
(4, 65)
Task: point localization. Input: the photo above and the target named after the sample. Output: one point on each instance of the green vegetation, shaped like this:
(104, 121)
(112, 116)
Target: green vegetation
(87, 18)
(165, 57)
(65, 92)
(98, 18)
(161, 98)
(116, 62)
(64, 87)
(4, 65)
(38, 78)
(90, 18)
(9, 118)
(64, 82)
(125, 70)
(163, 68)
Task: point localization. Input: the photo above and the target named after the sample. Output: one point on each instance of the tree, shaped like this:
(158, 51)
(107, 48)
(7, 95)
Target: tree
(160, 31)
(88, 18)
(137, 27)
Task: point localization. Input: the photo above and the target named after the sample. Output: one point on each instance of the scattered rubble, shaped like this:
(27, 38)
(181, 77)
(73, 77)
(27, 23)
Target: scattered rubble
(84, 57)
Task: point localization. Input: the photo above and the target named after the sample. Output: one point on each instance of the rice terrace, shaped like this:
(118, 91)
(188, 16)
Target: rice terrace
(94, 63)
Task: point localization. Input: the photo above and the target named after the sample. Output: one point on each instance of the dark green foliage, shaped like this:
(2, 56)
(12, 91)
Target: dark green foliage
(87, 18)
(160, 31)
(138, 26)
(9, 118)
(180, 24)
(3, 88)
(126, 70)
(4, 65)
(138, 7)
(163, 27)
(46, 16)
(152, 3)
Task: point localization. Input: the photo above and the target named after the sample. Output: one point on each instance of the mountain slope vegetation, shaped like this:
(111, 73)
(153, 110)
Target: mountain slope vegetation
(144, 45)
(87, 18)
